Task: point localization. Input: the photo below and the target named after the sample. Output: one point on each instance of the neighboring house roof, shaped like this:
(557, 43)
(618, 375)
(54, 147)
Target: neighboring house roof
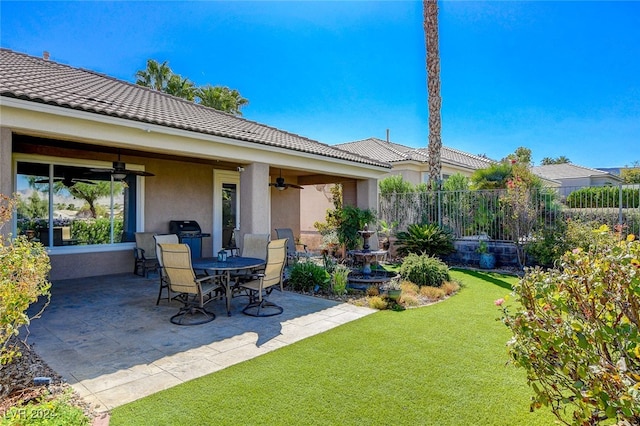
(571, 171)
(392, 153)
(38, 80)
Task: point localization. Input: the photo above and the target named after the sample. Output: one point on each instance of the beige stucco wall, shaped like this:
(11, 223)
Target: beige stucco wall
(285, 208)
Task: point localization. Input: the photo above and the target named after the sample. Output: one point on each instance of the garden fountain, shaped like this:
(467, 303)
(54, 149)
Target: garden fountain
(366, 277)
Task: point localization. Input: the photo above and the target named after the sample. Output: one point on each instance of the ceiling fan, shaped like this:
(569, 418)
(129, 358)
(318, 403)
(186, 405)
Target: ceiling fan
(280, 185)
(119, 170)
(67, 180)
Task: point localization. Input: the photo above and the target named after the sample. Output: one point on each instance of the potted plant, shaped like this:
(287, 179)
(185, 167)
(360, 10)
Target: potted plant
(487, 259)
(393, 289)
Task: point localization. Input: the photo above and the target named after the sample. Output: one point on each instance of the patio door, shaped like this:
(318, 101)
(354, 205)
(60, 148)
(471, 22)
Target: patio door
(226, 208)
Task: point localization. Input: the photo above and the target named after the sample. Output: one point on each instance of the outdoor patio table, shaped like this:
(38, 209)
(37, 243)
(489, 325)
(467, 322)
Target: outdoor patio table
(233, 263)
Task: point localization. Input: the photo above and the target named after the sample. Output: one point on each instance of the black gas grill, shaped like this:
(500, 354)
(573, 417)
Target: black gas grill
(190, 233)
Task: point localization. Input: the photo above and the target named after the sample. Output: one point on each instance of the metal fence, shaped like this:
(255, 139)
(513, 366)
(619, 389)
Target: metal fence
(491, 212)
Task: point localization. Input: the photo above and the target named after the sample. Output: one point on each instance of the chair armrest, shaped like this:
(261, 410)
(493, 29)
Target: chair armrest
(138, 253)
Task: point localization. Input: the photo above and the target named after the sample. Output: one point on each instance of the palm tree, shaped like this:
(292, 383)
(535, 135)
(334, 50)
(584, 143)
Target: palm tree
(430, 15)
(181, 87)
(222, 98)
(156, 75)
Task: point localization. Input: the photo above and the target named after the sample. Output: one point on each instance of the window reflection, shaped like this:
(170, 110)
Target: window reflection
(86, 208)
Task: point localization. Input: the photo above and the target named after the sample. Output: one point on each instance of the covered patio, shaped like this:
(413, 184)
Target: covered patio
(108, 339)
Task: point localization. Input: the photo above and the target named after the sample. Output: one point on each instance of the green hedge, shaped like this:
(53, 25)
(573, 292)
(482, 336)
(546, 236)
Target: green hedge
(604, 196)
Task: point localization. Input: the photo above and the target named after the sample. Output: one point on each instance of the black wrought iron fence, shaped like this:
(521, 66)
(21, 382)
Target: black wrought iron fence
(487, 212)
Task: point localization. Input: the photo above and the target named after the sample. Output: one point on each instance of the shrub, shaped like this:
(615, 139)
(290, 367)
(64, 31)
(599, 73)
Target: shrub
(424, 270)
(428, 239)
(409, 300)
(604, 196)
(46, 411)
(408, 287)
(377, 302)
(23, 278)
(450, 287)
(576, 331)
(307, 276)
(550, 243)
(432, 293)
(340, 279)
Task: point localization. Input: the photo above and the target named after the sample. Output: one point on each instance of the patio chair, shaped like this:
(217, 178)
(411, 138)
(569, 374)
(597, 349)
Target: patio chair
(192, 291)
(164, 281)
(145, 254)
(262, 284)
(292, 247)
(253, 245)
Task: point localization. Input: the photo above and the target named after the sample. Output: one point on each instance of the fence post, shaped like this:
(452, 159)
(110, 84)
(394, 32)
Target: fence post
(620, 204)
(440, 208)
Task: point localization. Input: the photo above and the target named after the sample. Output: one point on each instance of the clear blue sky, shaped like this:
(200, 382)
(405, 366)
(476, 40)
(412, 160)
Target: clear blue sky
(561, 78)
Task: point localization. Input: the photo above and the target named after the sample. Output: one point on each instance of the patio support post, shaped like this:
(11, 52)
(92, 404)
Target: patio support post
(6, 171)
(367, 194)
(254, 200)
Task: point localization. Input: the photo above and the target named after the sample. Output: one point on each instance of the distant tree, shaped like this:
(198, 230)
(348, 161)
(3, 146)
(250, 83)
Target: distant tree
(181, 87)
(521, 155)
(457, 182)
(160, 77)
(221, 98)
(558, 160)
(434, 103)
(631, 174)
(494, 176)
(395, 184)
(155, 76)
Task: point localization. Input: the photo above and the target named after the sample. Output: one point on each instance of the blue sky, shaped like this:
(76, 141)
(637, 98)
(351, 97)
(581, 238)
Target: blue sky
(561, 78)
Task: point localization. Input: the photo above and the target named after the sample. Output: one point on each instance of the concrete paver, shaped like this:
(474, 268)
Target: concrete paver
(109, 340)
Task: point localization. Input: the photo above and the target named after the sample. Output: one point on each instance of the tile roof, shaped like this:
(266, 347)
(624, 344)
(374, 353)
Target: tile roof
(569, 171)
(392, 153)
(39, 80)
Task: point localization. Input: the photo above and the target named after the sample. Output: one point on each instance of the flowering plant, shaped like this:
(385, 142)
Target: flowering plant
(576, 331)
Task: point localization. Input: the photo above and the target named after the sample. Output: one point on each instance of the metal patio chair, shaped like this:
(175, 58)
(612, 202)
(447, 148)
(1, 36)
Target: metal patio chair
(164, 281)
(261, 285)
(192, 291)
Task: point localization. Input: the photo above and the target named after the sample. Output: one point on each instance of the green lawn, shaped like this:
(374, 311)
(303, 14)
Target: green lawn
(444, 364)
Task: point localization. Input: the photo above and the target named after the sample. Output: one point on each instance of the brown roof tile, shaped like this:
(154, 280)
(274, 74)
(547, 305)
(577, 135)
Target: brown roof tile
(38, 80)
(392, 153)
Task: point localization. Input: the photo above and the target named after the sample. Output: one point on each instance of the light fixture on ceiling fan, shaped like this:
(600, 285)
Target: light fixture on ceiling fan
(280, 185)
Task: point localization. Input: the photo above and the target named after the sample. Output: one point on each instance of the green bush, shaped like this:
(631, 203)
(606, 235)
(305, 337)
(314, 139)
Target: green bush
(47, 411)
(429, 239)
(305, 276)
(96, 231)
(551, 242)
(576, 331)
(424, 270)
(340, 279)
(604, 196)
(24, 266)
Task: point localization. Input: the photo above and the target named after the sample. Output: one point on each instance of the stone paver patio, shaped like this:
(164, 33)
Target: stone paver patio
(109, 340)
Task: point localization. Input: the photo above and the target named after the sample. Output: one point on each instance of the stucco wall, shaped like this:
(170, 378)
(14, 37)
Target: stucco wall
(285, 209)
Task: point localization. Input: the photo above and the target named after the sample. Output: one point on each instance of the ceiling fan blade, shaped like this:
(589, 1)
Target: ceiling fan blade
(293, 185)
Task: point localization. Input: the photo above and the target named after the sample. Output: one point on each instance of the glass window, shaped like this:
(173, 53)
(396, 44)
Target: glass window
(63, 205)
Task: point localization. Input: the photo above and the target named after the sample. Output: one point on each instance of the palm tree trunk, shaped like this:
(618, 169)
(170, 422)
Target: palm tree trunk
(430, 10)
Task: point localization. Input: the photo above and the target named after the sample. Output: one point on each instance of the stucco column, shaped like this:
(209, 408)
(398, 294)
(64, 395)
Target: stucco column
(6, 174)
(367, 194)
(6, 186)
(254, 199)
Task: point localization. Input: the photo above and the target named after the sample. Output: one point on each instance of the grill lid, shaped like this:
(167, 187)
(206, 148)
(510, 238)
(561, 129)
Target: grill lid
(184, 227)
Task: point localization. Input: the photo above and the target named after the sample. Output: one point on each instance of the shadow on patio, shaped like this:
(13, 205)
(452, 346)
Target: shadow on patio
(107, 338)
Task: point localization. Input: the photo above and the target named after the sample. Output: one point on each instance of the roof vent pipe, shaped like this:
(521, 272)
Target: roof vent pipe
(45, 55)
(387, 135)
